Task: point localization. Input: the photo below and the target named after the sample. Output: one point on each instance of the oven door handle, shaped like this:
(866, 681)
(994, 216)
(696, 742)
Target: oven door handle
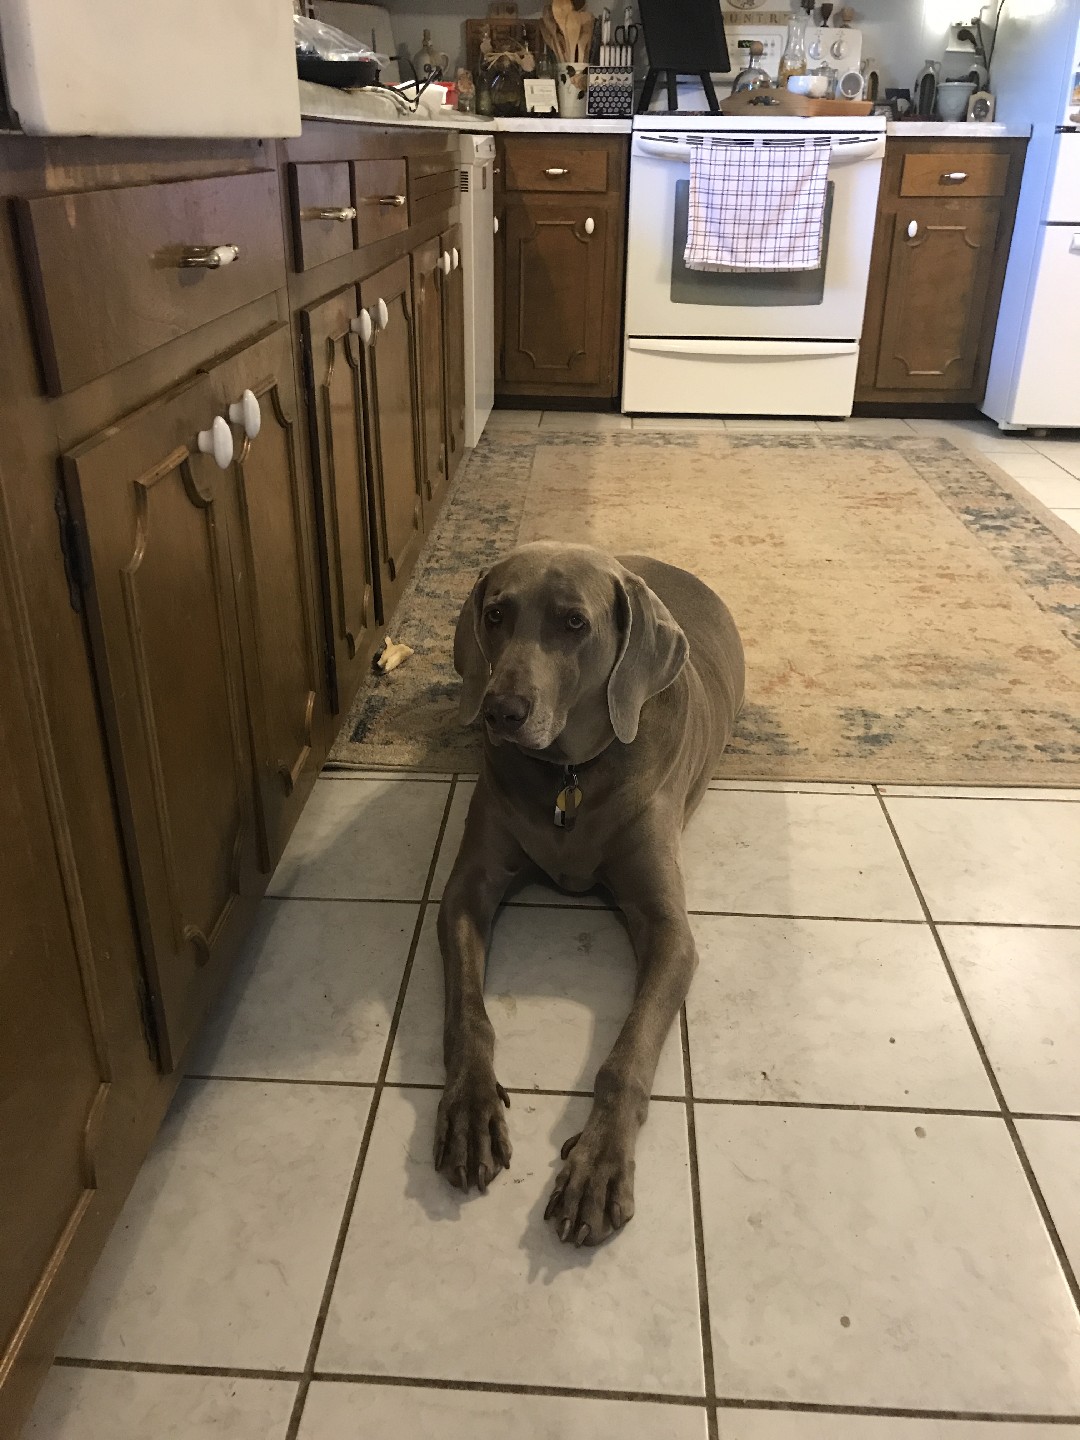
(844, 152)
(746, 349)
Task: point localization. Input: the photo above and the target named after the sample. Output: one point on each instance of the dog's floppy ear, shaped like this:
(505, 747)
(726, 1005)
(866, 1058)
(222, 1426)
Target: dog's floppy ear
(652, 651)
(470, 662)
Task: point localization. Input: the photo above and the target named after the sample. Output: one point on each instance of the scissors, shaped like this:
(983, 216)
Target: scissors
(627, 35)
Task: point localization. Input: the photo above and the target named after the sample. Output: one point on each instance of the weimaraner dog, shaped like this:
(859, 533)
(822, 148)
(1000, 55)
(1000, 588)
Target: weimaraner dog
(609, 689)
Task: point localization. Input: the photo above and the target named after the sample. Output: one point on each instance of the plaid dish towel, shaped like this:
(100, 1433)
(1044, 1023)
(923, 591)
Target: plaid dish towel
(755, 206)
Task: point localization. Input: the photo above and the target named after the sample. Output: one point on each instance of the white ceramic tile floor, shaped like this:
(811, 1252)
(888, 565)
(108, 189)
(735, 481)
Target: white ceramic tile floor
(921, 1229)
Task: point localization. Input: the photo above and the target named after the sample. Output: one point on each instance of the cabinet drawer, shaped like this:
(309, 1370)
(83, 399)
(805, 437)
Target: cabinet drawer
(107, 269)
(554, 166)
(382, 206)
(323, 214)
(960, 172)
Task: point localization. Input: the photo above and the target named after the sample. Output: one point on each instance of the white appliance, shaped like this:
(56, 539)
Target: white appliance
(1036, 77)
(162, 68)
(478, 263)
(745, 344)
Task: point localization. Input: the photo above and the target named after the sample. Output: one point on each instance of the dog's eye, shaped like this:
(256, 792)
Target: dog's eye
(576, 621)
(493, 616)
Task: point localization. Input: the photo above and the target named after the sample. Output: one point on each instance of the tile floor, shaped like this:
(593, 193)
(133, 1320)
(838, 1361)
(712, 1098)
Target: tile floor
(857, 1212)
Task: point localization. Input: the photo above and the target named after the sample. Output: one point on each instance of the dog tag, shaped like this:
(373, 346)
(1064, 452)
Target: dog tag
(567, 802)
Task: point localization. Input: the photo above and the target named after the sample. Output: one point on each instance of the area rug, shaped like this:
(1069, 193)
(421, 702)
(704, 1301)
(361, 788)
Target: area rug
(910, 614)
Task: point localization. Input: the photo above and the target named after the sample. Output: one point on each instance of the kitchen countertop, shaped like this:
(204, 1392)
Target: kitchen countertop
(960, 130)
(323, 102)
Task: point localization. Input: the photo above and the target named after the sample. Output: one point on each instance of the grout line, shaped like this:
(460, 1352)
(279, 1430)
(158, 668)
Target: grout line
(840, 1105)
(149, 1367)
(898, 1412)
(704, 1320)
(999, 1095)
(509, 1387)
(350, 1202)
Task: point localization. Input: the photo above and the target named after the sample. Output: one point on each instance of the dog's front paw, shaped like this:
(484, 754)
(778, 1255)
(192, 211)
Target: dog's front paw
(472, 1143)
(594, 1191)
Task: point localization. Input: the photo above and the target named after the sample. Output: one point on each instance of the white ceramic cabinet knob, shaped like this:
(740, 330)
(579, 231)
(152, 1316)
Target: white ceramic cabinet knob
(218, 442)
(363, 326)
(912, 229)
(445, 263)
(455, 257)
(590, 225)
(246, 412)
(495, 224)
(382, 314)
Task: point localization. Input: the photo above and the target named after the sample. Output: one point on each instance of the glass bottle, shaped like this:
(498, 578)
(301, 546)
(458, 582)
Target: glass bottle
(793, 60)
(484, 103)
(754, 76)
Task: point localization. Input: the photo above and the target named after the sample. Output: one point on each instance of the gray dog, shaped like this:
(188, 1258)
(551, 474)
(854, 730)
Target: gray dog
(609, 688)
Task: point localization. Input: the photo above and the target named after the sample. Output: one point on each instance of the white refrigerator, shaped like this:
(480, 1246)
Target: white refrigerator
(1036, 358)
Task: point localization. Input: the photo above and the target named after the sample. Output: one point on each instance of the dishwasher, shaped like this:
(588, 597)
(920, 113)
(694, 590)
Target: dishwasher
(478, 264)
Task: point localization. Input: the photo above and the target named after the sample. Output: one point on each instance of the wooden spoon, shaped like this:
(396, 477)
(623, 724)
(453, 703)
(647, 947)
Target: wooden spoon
(551, 33)
(563, 14)
(586, 25)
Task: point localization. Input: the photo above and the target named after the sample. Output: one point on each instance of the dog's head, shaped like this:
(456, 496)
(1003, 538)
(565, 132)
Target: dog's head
(560, 646)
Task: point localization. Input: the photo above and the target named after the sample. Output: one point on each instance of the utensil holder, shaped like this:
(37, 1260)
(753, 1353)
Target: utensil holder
(572, 84)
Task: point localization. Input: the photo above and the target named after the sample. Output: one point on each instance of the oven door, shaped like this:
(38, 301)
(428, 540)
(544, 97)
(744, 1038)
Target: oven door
(664, 298)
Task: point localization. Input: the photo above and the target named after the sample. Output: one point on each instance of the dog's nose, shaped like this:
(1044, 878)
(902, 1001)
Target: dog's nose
(506, 712)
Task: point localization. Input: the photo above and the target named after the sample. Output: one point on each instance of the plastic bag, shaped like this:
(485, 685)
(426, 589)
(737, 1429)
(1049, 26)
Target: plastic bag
(326, 42)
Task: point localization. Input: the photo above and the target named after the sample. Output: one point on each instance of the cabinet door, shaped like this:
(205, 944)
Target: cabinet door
(271, 555)
(391, 413)
(57, 1105)
(556, 264)
(939, 270)
(164, 630)
(347, 566)
(454, 348)
(428, 300)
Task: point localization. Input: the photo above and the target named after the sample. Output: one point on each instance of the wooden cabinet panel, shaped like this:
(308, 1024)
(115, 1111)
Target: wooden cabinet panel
(323, 214)
(954, 173)
(392, 428)
(107, 281)
(555, 290)
(271, 556)
(552, 165)
(382, 207)
(500, 283)
(332, 362)
(937, 280)
(56, 1099)
(453, 363)
(428, 299)
(153, 514)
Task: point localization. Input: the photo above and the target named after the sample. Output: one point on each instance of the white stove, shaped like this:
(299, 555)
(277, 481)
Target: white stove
(762, 343)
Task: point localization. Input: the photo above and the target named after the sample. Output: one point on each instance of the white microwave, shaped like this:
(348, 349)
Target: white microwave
(161, 68)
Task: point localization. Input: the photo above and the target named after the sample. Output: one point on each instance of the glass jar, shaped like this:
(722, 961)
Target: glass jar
(754, 76)
(793, 60)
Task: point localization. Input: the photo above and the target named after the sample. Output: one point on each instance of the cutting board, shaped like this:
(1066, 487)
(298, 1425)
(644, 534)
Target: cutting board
(786, 102)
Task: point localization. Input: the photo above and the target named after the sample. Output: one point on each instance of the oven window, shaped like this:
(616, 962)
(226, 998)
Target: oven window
(711, 287)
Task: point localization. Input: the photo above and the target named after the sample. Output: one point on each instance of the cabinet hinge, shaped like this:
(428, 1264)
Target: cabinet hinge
(146, 1018)
(73, 549)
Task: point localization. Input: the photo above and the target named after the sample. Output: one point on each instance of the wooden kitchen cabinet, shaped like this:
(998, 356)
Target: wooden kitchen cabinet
(272, 557)
(392, 434)
(944, 225)
(153, 517)
(428, 285)
(335, 419)
(453, 349)
(560, 266)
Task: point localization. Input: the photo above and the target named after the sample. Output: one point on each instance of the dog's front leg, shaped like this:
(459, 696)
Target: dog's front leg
(472, 1143)
(594, 1191)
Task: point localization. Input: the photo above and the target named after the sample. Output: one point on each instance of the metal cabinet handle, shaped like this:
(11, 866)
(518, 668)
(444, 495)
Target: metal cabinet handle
(364, 326)
(590, 225)
(445, 263)
(455, 258)
(382, 314)
(555, 171)
(209, 257)
(344, 213)
(954, 177)
(218, 442)
(246, 412)
(912, 229)
(397, 201)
